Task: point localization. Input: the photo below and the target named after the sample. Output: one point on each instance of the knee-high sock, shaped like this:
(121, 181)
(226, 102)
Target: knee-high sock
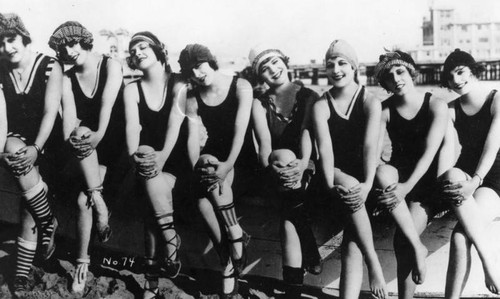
(25, 254)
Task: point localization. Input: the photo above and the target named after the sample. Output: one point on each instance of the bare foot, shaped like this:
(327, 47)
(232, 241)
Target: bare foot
(377, 283)
(492, 274)
(418, 273)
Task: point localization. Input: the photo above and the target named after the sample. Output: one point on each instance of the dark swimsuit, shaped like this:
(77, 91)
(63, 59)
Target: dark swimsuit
(472, 133)
(88, 111)
(408, 140)
(219, 121)
(347, 134)
(154, 126)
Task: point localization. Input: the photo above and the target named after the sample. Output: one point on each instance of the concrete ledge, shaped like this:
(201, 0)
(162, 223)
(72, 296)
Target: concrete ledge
(260, 219)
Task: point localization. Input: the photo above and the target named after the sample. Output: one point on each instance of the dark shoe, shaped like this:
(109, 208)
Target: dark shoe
(21, 285)
(172, 267)
(240, 263)
(236, 286)
(48, 236)
(315, 267)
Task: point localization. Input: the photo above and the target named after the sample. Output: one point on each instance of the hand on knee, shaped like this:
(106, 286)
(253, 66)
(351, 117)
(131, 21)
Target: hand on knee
(455, 187)
(205, 170)
(145, 162)
(17, 158)
(286, 169)
(80, 143)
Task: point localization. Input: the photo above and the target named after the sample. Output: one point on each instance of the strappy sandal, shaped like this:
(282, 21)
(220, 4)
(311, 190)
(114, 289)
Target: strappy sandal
(150, 293)
(172, 267)
(103, 230)
(49, 232)
(236, 285)
(80, 277)
(240, 263)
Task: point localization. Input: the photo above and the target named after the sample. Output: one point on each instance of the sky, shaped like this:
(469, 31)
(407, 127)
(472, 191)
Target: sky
(302, 29)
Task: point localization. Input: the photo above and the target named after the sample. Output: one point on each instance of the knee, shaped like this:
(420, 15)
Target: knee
(281, 157)
(454, 175)
(80, 132)
(346, 181)
(386, 175)
(206, 160)
(144, 149)
(13, 145)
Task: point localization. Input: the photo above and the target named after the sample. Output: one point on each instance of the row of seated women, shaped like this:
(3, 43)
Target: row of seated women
(338, 136)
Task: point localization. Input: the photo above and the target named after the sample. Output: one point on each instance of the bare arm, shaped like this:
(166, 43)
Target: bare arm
(132, 124)
(373, 112)
(68, 108)
(492, 144)
(53, 94)
(447, 153)
(305, 137)
(112, 87)
(176, 116)
(193, 141)
(244, 95)
(262, 133)
(320, 115)
(439, 121)
(3, 121)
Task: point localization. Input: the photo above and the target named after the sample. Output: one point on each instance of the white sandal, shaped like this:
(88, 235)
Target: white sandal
(80, 277)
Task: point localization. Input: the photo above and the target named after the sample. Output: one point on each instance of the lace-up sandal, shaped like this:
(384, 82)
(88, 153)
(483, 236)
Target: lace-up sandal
(95, 200)
(171, 267)
(80, 277)
(151, 273)
(234, 276)
(240, 263)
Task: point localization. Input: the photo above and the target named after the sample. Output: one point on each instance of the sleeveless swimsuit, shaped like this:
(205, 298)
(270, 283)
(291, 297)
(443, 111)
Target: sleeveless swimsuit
(154, 126)
(347, 134)
(472, 133)
(408, 140)
(88, 111)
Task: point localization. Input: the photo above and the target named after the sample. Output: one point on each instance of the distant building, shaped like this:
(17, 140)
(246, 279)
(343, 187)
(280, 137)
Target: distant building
(444, 32)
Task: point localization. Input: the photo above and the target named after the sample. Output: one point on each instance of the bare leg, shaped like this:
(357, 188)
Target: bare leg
(351, 276)
(475, 215)
(363, 236)
(94, 176)
(459, 263)
(386, 176)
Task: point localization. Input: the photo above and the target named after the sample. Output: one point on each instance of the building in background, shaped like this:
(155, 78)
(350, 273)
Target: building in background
(445, 31)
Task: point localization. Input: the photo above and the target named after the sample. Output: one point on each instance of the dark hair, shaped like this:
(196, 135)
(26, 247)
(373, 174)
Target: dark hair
(187, 73)
(476, 69)
(25, 39)
(61, 50)
(160, 54)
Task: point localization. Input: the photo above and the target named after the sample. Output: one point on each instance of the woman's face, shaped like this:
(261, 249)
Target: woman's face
(203, 74)
(274, 72)
(73, 53)
(398, 80)
(142, 55)
(340, 73)
(13, 48)
(460, 79)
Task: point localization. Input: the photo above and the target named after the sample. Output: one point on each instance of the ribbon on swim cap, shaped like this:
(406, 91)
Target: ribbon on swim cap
(391, 58)
(259, 54)
(148, 37)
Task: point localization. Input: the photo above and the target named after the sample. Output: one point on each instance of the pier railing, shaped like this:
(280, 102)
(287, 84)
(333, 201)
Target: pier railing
(429, 73)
